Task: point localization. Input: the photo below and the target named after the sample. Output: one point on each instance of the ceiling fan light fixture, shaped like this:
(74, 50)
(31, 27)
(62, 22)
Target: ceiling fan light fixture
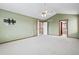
(44, 13)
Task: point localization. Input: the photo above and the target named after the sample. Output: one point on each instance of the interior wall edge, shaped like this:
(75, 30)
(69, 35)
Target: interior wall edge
(17, 39)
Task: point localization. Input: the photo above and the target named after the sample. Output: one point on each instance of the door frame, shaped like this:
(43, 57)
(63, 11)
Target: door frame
(66, 25)
(42, 28)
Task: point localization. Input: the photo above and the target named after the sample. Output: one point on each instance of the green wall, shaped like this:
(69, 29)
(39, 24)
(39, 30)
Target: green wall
(53, 28)
(24, 26)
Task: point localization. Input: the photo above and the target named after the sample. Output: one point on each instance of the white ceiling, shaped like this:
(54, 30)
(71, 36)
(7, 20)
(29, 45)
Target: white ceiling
(35, 9)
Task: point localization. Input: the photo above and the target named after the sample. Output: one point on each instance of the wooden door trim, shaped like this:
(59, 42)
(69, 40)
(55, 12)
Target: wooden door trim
(67, 26)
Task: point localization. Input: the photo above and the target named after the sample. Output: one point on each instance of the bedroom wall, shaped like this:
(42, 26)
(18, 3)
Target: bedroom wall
(53, 28)
(24, 27)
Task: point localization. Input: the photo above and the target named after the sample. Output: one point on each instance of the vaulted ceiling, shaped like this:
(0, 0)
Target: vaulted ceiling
(35, 9)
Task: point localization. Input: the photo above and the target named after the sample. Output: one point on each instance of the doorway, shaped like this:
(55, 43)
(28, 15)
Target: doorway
(41, 28)
(63, 28)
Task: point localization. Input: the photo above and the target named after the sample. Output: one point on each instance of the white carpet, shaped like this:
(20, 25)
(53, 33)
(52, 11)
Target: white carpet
(42, 45)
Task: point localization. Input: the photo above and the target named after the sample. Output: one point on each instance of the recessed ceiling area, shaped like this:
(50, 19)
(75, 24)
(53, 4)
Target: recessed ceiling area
(35, 9)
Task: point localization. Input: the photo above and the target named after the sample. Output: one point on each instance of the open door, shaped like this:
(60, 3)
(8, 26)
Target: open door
(63, 28)
(41, 28)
